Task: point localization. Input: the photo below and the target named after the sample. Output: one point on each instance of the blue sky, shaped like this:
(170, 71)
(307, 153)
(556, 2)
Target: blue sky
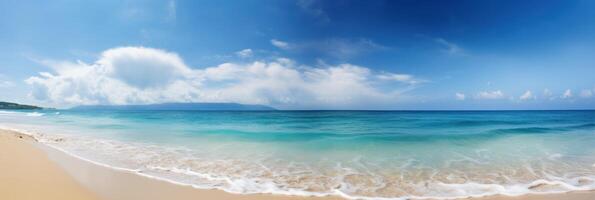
(301, 54)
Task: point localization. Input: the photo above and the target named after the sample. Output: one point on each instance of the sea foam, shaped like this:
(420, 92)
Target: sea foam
(178, 166)
(352, 155)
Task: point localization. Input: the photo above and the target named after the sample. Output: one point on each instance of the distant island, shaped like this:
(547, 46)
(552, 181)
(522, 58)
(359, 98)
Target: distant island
(16, 106)
(180, 106)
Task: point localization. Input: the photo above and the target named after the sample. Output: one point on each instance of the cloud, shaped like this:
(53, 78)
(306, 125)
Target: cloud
(460, 96)
(138, 75)
(120, 76)
(527, 95)
(567, 94)
(143, 67)
(496, 94)
(280, 44)
(404, 78)
(245, 53)
(586, 93)
(450, 48)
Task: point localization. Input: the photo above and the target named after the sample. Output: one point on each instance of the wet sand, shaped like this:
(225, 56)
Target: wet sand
(30, 170)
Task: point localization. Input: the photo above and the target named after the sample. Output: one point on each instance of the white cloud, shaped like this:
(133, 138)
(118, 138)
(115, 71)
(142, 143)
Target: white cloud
(404, 78)
(496, 94)
(527, 95)
(137, 75)
(120, 76)
(280, 44)
(586, 93)
(450, 48)
(245, 53)
(143, 67)
(567, 94)
(460, 96)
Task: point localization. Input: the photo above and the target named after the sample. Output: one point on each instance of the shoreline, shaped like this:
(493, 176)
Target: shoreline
(103, 182)
(111, 183)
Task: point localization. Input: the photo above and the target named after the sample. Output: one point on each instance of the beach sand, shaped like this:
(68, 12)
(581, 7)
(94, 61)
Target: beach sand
(27, 173)
(30, 170)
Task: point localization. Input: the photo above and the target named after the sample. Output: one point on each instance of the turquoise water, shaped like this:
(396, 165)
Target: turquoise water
(355, 154)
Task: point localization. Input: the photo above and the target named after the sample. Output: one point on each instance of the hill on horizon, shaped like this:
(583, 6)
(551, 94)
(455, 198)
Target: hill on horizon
(16, 106)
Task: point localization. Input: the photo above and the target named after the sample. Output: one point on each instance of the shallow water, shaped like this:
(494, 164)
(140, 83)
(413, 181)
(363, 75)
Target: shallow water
(358, 154)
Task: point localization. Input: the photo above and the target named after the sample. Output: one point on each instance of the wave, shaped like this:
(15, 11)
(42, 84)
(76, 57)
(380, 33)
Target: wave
(3, 112)
(180, 166)
(471, 123)
(532, 130)
(583, 126)
(29, 114)
(393, 135)
(35, 114)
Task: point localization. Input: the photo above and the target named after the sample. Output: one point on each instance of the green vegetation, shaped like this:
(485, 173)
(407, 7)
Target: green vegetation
(15, 106)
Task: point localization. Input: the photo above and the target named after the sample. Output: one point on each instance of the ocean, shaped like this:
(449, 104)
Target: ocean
(353, 154)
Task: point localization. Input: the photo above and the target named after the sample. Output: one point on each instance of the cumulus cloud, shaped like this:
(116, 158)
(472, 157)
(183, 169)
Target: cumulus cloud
(280, 44)
(527, 95)
(496, 94)
(567, 94)
(120, 76)
(137, 75)
(245, 53)
(460, 96)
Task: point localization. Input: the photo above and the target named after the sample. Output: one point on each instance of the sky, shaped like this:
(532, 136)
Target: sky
(306, 54)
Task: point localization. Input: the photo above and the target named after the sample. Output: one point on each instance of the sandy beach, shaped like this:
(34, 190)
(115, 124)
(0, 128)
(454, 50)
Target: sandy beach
(27, 173)
(35, 171)
(30, 170)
